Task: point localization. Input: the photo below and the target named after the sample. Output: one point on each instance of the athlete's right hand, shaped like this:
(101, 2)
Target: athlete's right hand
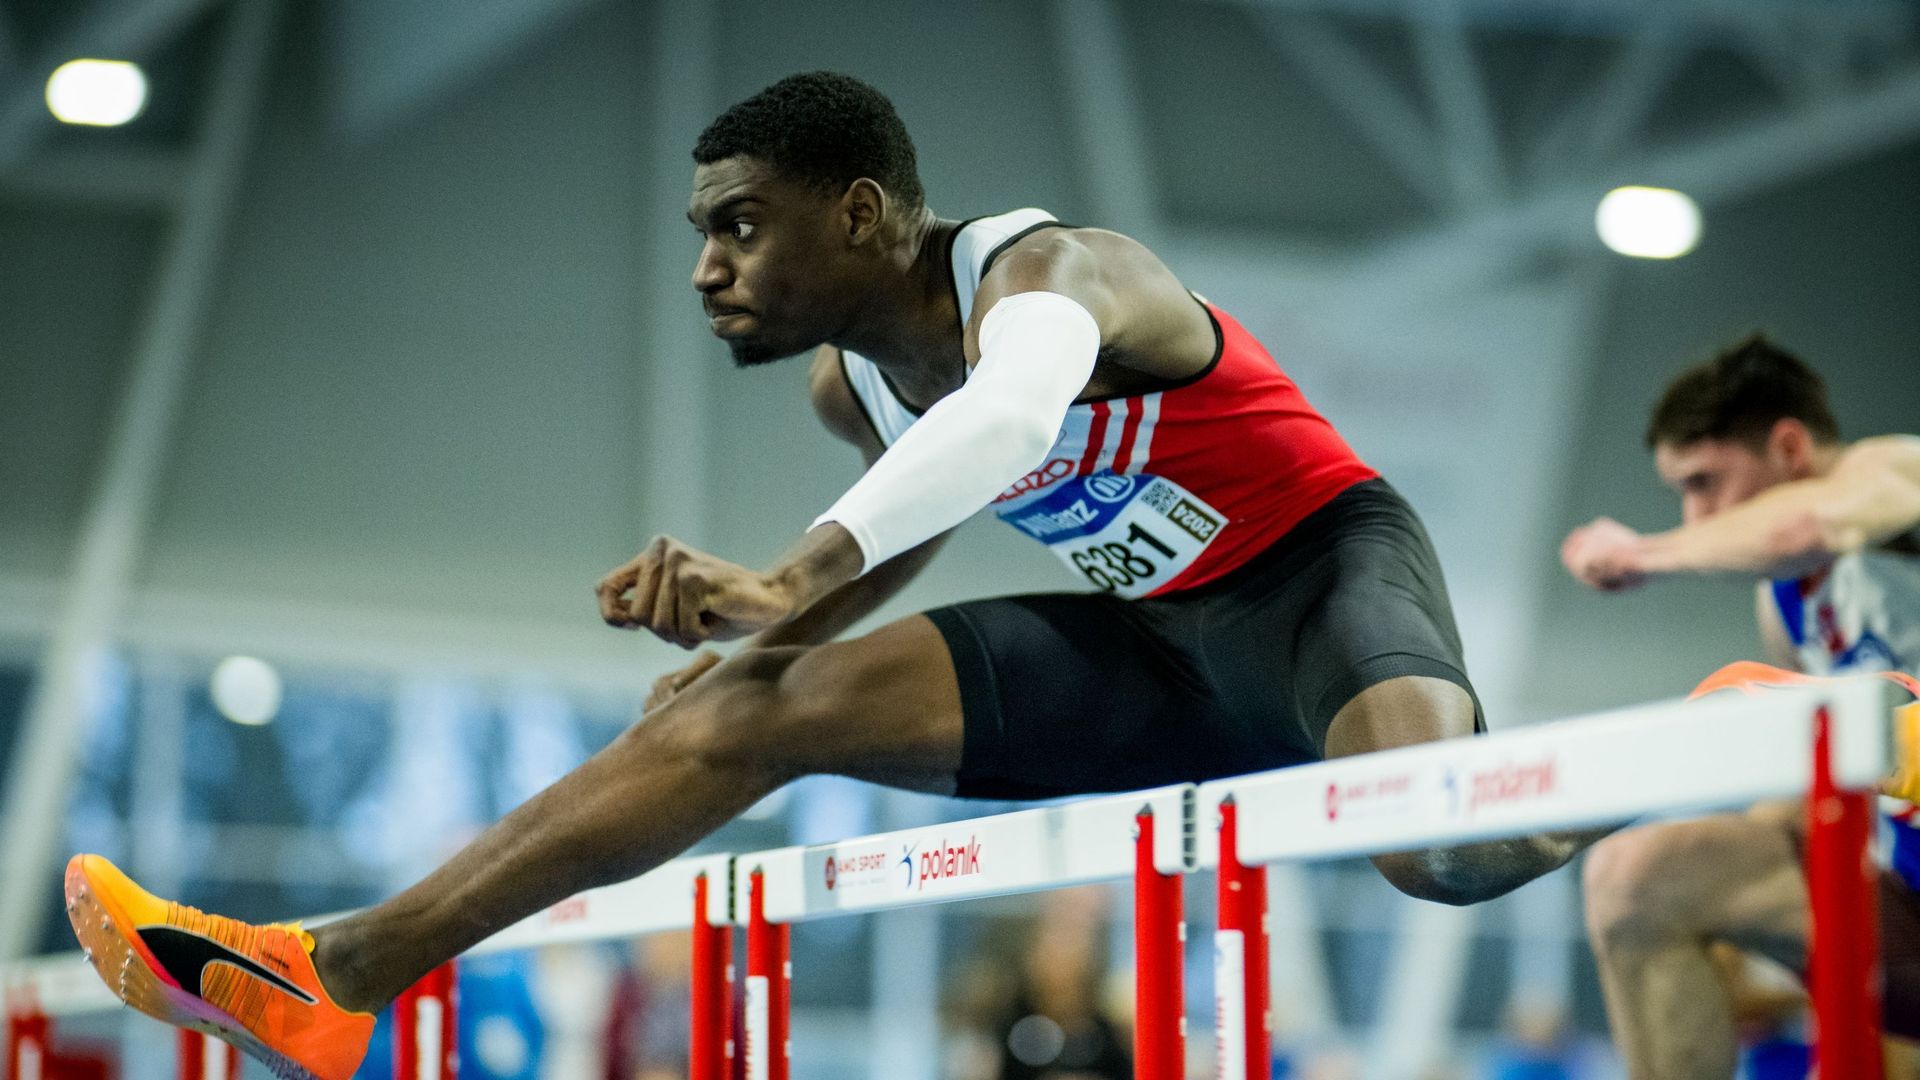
(667, 686)
(685, 596)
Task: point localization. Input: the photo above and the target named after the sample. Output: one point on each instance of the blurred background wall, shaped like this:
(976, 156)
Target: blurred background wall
(420, 271)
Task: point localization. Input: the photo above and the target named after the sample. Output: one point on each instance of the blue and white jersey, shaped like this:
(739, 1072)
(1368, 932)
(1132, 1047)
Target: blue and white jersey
(1860, 615)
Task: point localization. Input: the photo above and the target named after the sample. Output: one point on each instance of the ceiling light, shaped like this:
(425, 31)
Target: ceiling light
(1648, 222)
(99, 93)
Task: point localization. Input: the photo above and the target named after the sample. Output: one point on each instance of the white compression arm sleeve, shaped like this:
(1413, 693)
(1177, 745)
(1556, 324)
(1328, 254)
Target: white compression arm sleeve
(1037, 351)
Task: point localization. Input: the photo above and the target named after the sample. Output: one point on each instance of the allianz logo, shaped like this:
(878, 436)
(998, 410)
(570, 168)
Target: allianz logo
(1050, 522)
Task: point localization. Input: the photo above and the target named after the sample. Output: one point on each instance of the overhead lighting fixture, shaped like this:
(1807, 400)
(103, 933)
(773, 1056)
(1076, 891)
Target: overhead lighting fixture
(246, 690)
(96, 93)
(1648, 222)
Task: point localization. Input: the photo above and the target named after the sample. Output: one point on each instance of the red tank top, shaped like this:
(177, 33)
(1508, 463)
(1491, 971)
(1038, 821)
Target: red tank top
(1154, 493)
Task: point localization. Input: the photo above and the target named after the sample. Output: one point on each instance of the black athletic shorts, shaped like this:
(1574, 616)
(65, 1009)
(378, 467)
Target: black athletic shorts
(1070, 693)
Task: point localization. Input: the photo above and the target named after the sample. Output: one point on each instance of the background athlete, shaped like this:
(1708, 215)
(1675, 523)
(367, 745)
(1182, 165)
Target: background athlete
(1263, 597)
(1832, 530)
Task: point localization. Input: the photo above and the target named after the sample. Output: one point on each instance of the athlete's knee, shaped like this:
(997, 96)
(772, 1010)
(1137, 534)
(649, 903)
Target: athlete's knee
(1436, 876)
(737, 716)
(1633, 883)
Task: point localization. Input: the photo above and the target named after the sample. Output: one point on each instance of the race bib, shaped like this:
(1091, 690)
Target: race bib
(1128, 535)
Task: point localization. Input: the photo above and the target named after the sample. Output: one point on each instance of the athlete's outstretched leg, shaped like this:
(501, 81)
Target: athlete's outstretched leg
(1417, 709)
(885, 707)
(1657, 898)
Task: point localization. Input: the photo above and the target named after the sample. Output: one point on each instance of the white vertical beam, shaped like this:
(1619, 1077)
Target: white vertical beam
(1103, 103)
(1378, 111)
(678, 356)
(116, 521)
(1302, 994)
(157, 810)
(1540, 962)
(906, 972)
(1423, 990)
(1471, 144)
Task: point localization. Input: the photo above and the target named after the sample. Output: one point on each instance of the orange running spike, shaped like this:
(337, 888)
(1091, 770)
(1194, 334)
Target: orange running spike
(254, 986)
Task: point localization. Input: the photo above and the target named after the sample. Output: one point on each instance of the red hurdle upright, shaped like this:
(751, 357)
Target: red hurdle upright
(1245, 1018)
(1844, 969)
(203, 1057)
(769, 1048)
(425, 1019)
(1159, 980)
(710, 1051)
(28, 1035)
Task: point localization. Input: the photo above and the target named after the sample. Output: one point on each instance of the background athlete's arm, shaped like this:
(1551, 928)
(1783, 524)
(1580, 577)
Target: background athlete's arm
(1871, 496)
(829, 616)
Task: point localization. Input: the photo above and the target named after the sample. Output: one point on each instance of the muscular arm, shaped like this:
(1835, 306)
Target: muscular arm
(1031, 353)
(834, 403)
(1871, 496)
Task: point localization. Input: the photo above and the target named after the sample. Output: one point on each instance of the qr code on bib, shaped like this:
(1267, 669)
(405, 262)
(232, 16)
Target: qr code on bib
(1160, 495)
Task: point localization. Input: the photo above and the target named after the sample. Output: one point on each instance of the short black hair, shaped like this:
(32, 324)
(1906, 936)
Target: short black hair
(1739, 395)
(823, 129)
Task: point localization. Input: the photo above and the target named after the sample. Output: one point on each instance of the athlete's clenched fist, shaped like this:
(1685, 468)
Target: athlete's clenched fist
(1605, 555)
(687, 596)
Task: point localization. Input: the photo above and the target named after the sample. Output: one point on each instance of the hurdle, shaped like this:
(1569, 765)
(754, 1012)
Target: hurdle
(1144, 836)
(1831, 741)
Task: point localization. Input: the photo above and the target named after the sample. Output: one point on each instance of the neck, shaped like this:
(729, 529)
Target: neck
(907, 317)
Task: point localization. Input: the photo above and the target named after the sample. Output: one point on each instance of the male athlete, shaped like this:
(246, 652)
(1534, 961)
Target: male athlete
(1263, 598)
(1832, 531)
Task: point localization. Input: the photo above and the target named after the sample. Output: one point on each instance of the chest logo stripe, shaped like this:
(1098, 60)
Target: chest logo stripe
(1096, 437)
(1129, 433)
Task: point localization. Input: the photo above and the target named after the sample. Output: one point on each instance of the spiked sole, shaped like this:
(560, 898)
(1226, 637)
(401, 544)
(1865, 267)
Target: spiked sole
(111, 943)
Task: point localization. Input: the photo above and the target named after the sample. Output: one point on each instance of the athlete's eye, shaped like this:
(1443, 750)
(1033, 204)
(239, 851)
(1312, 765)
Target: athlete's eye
(741, 230)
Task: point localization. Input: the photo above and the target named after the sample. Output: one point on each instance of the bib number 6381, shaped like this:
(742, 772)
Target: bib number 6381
(1120, 564)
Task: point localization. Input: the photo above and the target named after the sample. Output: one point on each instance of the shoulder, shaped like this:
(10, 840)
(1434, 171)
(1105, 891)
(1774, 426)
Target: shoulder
(833, 401)
(1063, 253)
(1111, 275)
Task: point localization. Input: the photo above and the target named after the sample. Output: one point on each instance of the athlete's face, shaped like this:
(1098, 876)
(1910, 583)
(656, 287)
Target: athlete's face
(771, 276)
(1711, 475)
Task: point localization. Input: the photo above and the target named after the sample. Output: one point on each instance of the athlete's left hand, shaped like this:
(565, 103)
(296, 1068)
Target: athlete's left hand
(686, 596)
(1604, 555)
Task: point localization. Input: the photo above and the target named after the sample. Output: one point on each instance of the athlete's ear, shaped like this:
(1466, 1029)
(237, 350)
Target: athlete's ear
(863, 208)
(1790, 445)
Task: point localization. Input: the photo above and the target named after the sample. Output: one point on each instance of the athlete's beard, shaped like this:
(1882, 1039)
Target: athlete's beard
(753, 352)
